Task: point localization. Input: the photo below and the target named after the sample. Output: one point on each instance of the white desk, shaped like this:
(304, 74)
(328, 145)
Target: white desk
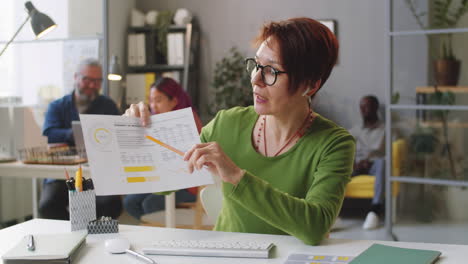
(140, 236)
(35, 172)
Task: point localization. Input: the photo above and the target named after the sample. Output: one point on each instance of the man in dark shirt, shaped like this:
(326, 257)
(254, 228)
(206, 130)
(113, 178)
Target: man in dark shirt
(85, 99)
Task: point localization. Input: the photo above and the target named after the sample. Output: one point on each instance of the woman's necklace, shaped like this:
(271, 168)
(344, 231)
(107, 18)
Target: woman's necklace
(298, 134)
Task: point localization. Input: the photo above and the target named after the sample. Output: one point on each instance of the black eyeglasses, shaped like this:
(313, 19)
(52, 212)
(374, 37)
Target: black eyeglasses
(87, 79)
(269, 74)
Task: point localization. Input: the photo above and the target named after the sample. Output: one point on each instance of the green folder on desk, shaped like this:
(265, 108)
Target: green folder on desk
(382, 254)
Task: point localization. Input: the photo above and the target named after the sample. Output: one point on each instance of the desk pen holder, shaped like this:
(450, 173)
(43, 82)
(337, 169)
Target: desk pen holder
(103, 226)
(82, 207)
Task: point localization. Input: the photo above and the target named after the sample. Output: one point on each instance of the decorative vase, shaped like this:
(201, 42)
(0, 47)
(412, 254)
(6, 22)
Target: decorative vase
(447, 72)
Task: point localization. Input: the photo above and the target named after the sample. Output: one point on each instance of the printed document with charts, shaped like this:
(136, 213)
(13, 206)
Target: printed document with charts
(123, 161)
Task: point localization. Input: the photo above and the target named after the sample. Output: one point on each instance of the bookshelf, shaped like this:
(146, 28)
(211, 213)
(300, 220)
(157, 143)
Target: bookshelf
(186, 72)
(155, 68)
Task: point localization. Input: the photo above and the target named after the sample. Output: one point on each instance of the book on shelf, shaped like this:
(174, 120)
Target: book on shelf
(138, 87)
(49, 248)
(136, 49)
(132, 53)
(175, 48)
(141, 49)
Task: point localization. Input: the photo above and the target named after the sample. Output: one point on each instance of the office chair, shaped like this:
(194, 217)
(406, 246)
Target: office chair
(212, 200)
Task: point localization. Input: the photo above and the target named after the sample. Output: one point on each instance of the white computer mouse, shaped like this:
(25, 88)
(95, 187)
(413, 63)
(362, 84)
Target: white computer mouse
(117, 245)
(122, 245)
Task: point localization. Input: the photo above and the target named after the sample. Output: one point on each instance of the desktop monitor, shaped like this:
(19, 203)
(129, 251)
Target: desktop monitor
(20, 130)
(79, 139)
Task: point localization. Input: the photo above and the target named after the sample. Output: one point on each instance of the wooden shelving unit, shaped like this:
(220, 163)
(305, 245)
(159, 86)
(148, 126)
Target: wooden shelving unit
(432, 89)
(146, 29)
(155, 68)
(437, 124)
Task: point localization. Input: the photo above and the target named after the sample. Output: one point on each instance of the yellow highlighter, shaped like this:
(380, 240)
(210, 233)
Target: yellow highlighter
(79, 180)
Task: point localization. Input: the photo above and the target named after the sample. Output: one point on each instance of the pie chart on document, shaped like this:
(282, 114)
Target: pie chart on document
(101, 137)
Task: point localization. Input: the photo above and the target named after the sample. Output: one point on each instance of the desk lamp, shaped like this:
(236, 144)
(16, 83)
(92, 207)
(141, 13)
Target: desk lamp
(116, 75)
(41, 24)
(114, 70)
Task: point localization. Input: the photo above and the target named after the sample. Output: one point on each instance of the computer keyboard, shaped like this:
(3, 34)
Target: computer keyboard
(235, 249)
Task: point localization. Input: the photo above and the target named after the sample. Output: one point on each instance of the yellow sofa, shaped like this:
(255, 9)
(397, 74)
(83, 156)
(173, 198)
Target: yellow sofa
(362, 186)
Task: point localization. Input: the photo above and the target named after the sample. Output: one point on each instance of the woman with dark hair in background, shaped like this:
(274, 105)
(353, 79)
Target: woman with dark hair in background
(284, 167)
(165, 95)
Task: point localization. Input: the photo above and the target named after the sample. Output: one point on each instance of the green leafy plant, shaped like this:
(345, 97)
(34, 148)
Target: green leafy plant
(445, 14)
(441, 98)
(163, 21)
(395, 97)
(423, 141)
(444, 98)
(231, 83)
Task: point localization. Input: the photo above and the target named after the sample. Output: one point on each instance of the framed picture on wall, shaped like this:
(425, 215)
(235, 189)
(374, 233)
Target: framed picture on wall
(330, 24)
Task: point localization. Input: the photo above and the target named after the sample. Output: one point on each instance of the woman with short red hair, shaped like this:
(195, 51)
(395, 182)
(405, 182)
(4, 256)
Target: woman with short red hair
(284, 167)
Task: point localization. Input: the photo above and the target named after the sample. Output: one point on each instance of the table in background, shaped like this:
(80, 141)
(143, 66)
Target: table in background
(141, 236)
(36, 171)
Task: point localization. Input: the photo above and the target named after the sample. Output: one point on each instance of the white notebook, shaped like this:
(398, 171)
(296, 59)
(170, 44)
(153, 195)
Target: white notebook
(50, 248)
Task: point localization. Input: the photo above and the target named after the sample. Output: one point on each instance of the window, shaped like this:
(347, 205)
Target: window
(39, 71)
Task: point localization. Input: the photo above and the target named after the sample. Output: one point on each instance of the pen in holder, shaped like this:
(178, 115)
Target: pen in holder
(82, 208)
(82, 200)
(103, 225)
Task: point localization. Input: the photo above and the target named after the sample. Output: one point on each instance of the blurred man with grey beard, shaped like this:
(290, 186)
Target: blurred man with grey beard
(85, 99)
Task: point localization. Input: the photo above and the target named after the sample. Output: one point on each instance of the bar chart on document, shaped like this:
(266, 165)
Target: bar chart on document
(123, 161)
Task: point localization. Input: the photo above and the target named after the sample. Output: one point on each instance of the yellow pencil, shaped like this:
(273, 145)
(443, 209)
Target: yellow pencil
(165, 145)
(79, 180)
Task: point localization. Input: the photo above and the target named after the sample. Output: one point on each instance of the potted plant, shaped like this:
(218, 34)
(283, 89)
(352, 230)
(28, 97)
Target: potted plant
(163, 21)
(445, 14)
(423, 142)
(231, 83)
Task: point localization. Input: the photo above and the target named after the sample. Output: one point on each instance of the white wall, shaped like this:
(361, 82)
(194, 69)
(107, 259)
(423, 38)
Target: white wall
(85, 17)
(235, 23)
(26, 58)
(119, 13)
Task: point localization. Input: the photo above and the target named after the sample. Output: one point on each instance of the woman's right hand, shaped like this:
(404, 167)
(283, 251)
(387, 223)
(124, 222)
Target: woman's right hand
(140, 110)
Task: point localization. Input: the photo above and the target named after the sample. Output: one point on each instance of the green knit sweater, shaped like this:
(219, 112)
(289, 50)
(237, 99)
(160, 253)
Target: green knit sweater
(299, 192)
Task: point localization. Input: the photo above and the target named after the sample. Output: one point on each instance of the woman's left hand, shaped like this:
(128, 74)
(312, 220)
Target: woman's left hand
(218, 163)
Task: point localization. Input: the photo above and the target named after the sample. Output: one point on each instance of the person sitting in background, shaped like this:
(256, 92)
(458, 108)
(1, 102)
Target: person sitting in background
(85, 99)
(370, 152)
(165, 95)
(284, 167)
